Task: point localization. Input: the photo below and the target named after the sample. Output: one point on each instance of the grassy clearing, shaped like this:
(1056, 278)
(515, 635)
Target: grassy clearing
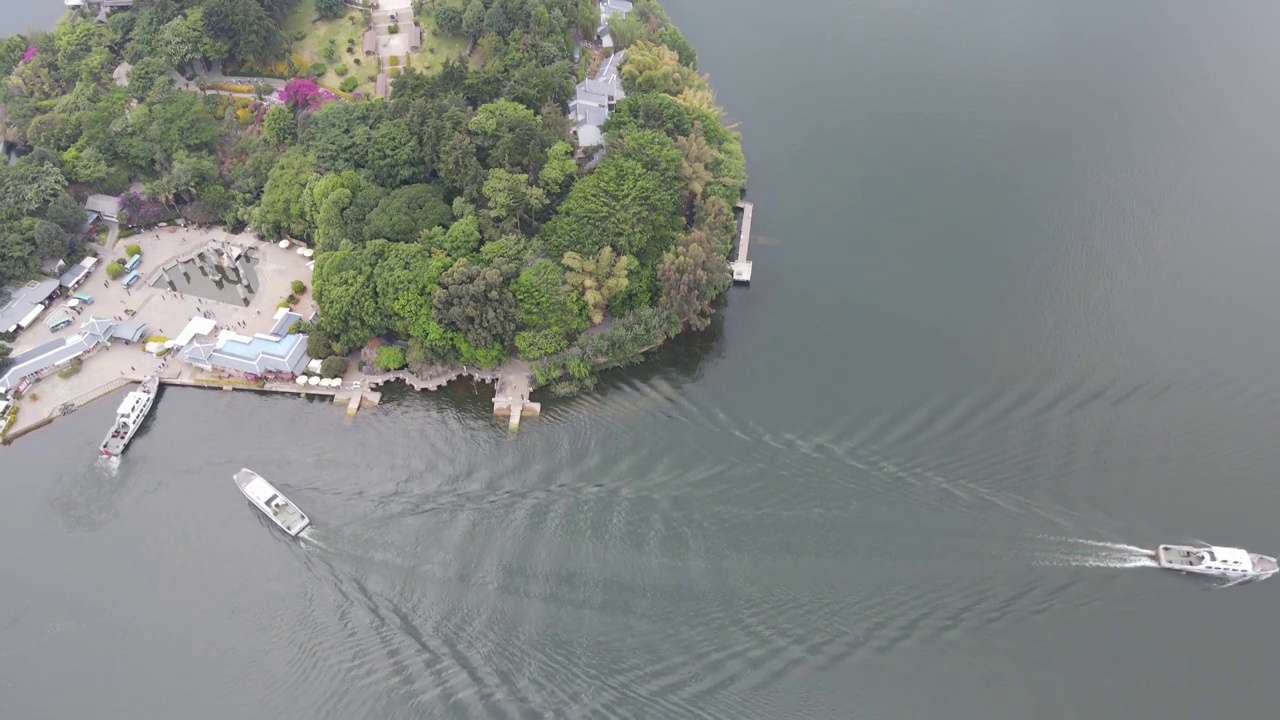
(318, 33)
(344, 32)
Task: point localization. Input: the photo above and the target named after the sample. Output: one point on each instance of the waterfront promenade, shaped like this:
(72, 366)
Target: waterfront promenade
(165, 313)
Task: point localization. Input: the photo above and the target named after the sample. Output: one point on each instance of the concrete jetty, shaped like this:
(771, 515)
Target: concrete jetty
(512, 395)
(742, 266)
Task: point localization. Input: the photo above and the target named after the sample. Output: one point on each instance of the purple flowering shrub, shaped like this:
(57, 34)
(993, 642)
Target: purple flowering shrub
(304, 94)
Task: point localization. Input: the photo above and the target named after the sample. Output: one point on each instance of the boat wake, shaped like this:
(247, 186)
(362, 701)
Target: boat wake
(1080, 552)
(309, 535)
(110, 464)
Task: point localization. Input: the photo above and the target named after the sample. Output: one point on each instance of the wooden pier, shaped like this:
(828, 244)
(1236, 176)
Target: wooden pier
(742, 266)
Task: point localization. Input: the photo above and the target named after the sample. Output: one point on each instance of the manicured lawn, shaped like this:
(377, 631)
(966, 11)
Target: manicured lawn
(434, 51)
(318, 35)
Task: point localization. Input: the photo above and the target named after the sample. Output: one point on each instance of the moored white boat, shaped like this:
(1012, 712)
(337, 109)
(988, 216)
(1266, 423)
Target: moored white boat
(271, 502)
(129, 416)
(1217, 561)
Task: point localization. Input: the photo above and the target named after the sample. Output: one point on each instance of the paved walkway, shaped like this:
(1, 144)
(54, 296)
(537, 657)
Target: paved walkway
(165, 312)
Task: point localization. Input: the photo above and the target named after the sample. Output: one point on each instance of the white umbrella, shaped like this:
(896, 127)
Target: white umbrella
(284, 244)
(73, 302)
(301, 380)
(327, 382)
(315, 380)
(308, 252)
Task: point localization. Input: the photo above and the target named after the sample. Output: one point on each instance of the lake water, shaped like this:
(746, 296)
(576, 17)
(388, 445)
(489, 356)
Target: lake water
(32, 14)
(1012, 321)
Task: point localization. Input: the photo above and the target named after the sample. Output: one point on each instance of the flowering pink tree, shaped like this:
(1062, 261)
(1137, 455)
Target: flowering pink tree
(29, 53)
(304, 94)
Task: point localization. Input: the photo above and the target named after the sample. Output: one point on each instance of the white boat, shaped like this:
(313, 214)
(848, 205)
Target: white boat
(271, 502)
(129, 416)
(1224, 562)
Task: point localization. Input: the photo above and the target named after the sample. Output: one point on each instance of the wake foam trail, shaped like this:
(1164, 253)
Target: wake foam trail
(1100, 560)
(1119, 547)
(309, 536)
(1079, 552)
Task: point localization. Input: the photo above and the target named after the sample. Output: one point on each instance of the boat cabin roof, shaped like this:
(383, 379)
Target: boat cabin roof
(1230, 555)
(126, 405)
(260, 490)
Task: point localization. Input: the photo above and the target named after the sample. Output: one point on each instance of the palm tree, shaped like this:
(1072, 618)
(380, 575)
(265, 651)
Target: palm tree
(598, 278)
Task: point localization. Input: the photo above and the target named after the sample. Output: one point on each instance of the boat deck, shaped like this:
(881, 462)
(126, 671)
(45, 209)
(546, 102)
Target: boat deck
(1173, 557)
(291, 518)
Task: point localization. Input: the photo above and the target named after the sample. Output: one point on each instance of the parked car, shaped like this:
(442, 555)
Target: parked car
(391, 17)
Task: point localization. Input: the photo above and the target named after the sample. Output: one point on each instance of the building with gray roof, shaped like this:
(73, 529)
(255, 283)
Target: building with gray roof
(284, 319)
(107, 206)
(25, 304)
(131, 331)
(72, 278)
(593, 99)
(257, 355)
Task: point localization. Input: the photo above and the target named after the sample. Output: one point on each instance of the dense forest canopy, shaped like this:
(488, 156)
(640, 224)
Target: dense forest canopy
(456, 215)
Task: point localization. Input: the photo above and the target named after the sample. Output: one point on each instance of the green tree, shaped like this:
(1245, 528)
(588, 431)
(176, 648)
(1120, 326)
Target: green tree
(30, 184)
(5, 351)
(461, 239)
(333, 366)
(51, 240)
(342, 286)
(330, 8)
(535, 344)
(459, 167)
(545, 301)
(132, 249)
(279, 125)
(714, 218)
(654, 68)
(405, 277)
(179, 42)
(245, 27)
(64, 211)
(512, 203)
(18, 257)
(407, 213)
(297, 287)
(390, 357)
(144, 73)
(114, 270)
(671, 37)
(54, 131)
(178, 123)
(473, 19)
(88, 166)
(619, 204)
(692, 274)
(597, 278)
(449, 20)
(280, 212)
(11, 49)
(394, 157)
(558, 171)
(476, 301)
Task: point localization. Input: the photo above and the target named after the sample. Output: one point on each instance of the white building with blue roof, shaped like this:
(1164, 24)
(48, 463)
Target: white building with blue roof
(274, 352)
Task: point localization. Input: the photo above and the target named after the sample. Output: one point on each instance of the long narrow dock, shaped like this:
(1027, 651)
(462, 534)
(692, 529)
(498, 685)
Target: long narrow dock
(742, 266)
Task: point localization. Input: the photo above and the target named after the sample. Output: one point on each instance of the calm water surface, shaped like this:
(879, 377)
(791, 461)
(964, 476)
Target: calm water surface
(23, 15)
(1013, 319)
